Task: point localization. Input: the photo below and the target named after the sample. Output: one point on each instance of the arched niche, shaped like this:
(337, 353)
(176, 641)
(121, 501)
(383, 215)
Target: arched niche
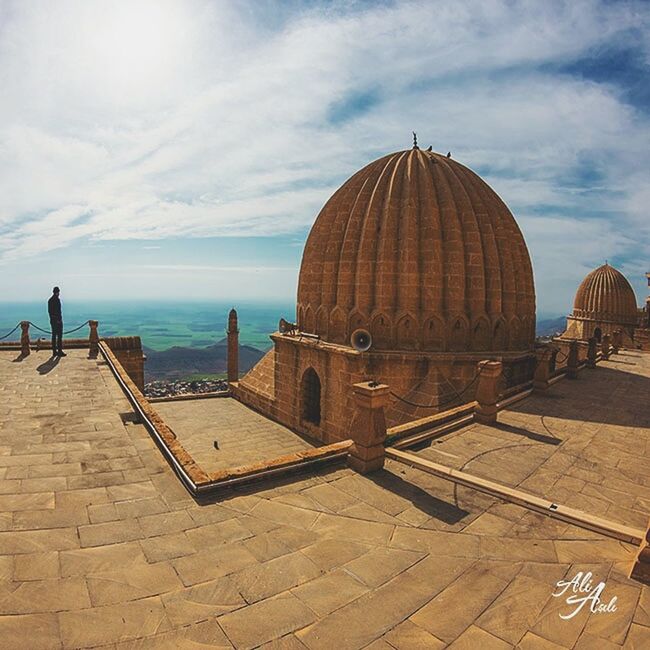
(338, 326)
(500, 335)
(481, 334)
(458, 334)
(380, 329)
(310, 397)
(406, 333)
(433, 334)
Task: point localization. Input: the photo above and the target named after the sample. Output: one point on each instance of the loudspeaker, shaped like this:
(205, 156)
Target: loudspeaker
(361, 340)
(286, 327)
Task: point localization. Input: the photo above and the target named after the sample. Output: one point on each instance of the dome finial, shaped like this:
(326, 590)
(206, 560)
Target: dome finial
(415, 140)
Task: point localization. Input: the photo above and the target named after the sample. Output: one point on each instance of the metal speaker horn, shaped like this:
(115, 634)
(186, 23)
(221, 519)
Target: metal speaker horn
(361, 340)
(286, 327)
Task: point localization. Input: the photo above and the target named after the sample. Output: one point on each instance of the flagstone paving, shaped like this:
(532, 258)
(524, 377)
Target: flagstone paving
(242, 436)
(584, 443)
(101, 546)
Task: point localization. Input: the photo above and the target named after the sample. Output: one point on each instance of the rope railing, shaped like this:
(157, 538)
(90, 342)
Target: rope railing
(45, 331)
(76, 329)
(564, 356)
(440, 403)
(10, 333)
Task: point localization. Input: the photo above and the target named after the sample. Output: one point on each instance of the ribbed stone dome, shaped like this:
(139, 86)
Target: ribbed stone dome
(419, 250)
(606, 295)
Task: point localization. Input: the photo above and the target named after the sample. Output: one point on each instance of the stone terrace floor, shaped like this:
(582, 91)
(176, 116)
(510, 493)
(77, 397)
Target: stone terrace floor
(243, 436)
(100, 545)
(584, 443)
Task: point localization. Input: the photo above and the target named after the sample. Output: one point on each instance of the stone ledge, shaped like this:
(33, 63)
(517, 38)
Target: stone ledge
(282, 463)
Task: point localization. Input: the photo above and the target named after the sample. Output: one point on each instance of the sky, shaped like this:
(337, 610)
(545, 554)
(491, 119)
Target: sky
(182, 149)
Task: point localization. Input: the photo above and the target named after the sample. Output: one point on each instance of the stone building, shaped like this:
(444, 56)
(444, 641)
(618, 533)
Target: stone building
(642, 332)
(605, 302)
(420, 252)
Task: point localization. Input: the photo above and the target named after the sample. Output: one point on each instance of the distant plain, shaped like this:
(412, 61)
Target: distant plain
(160, 325)
(174, 324)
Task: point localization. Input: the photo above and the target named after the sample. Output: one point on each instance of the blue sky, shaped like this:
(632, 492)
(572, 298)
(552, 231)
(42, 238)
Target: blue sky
(183, 149)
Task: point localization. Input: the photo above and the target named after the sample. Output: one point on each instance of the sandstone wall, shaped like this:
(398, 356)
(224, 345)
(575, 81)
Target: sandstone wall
(128, 350)
(275, 386)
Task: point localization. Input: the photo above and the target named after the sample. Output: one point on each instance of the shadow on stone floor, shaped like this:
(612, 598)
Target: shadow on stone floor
(430, 505)
(590, 398)
(444, 511)
(538, 437)
(624, 363)
(48, 365)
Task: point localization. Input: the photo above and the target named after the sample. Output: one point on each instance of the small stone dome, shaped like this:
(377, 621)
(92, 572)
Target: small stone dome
(420, 251)
(606, 295)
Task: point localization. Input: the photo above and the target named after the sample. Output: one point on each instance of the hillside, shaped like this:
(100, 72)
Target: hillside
(180, 362)
(551, 326)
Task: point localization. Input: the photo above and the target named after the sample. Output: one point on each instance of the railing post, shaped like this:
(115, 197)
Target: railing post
(24, 338)
(572, 361)
(544, 356)
(591, 352)
(233, 347)
(368, 430)
(487, 392)
(93, 338)
(604, 347)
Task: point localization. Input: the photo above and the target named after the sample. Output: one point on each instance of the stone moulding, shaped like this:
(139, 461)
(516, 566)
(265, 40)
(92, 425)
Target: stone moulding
(195, 479)
(346, 350)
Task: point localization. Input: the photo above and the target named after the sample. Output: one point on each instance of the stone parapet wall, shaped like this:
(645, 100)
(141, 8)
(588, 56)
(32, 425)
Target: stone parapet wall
(562, 345)
(585, 328)
(423, 379)
(128, 350)
(642, 338)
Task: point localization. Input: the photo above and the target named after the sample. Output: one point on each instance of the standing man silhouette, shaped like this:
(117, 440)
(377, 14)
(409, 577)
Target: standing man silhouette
(56, 323)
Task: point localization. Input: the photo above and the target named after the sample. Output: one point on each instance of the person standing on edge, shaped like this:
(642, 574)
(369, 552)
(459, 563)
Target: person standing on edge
(56, 323)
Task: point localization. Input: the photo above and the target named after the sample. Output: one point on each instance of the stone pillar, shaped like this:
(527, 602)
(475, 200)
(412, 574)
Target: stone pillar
(24, 338)
(233, 347)
(487, 392)
(544, 357)
(604, 347)
(572, 361)
(591, 352)
(617, 341)
(368, 430)
(641, 567)
(93, 338)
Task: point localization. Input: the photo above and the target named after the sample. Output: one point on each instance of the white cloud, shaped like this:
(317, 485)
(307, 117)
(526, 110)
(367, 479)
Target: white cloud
(156, 119)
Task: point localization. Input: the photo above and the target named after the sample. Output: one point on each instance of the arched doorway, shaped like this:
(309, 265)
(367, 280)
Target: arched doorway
(598, 334)
(310, 397)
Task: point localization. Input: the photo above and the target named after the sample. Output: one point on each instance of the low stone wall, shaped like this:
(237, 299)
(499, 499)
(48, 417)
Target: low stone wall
(562, 346)
(128, 350)
(642, 338)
